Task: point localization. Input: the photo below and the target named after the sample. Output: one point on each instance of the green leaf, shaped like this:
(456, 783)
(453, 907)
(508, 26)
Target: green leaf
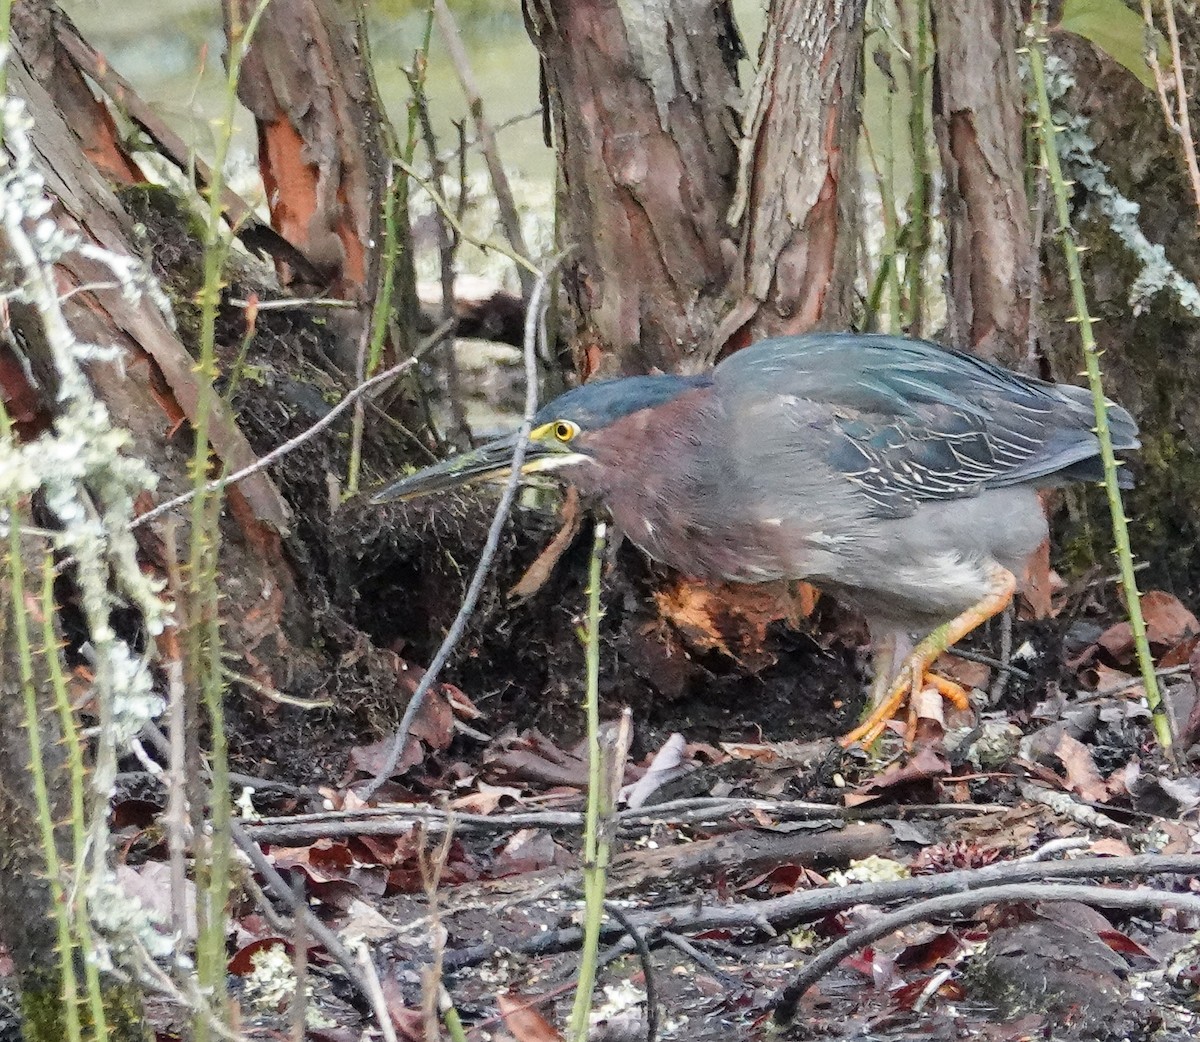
(1117, 31)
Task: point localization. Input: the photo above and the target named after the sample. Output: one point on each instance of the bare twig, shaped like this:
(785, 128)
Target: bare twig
(948, 904)
(533, 324)
(1180, 120)
(374, 994)
(1007, 669)
(469, 143)
(288, 446)
(447, 245)
(777, 913)
(277, 884)
(643, 949)
(287, 897)
(502, 248)
(510, 219)
(298, 1014)
(702, 959)
(1056, 846)
(397, 819)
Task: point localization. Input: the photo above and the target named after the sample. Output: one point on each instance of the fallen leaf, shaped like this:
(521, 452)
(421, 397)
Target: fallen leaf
(667, 764)
(364, 923)
(1039, 585)
(539, 572)
(1117, 640)
(242, 961)
(1082, 776)
(522, 1018)
(486, 799)
(1124, 944)
(964, 671)
(1167, 621)
(1180, 654)
(924, 765)
(370, 759)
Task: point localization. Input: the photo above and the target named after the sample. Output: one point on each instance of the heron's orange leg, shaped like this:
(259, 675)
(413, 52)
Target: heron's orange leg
(915, 671)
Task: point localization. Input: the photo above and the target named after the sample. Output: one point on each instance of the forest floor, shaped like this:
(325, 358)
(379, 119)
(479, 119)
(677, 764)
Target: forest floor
(746, 841)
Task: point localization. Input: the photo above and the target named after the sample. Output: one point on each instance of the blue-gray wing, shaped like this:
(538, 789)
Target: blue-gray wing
(906, 421)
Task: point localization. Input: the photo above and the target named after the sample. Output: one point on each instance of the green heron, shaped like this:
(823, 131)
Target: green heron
(900, 476)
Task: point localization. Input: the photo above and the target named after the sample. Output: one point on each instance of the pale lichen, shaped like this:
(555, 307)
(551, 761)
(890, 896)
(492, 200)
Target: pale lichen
(1077, 151)
(83, 473)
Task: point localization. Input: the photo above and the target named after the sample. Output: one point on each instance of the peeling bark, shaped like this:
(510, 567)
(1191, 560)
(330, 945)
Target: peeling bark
(641, 107)
(320, 138)
(798, 179)
(36, 23)
(979, 122)
(154, 388)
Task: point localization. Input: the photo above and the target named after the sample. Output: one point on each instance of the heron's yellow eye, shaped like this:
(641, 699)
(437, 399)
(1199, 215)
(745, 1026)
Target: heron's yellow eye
(565, 430)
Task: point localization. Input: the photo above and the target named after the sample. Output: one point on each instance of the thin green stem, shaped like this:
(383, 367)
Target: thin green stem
(594, 850)
(395, 209)
(918, 220)
(74, 752)
(204, 626)
(1047, 133)
(37, 770)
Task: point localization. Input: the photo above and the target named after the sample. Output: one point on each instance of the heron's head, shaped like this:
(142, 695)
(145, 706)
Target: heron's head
(565, 435)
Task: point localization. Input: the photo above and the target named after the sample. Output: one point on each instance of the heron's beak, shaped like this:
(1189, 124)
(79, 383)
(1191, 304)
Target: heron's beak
(488, 462)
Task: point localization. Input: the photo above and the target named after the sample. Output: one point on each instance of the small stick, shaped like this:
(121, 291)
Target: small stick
(948, 904)
(280, 451)
(510, 219)
(533, 323)
(643, 950)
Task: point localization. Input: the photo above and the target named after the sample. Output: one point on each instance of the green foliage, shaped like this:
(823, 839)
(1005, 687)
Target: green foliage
(1117, 31)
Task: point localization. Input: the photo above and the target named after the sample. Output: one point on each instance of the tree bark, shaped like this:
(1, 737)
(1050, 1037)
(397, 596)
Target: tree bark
(321, 154)
(979, 105)
(798, 180)
(1150, 346)
(641, 103)
(151, 393)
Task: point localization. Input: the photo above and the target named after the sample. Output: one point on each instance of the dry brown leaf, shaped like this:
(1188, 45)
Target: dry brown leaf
(1110, 846)
(1038, 586)
(926, 763)
(1167, 621)
(1100, 677)
(1117, 640)
(543, 567)
(486, 799)
(963, 671)
(522, 1018)
(1082, 776)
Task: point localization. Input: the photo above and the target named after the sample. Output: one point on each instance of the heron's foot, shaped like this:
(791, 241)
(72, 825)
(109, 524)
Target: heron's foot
(915, 673)
(899, 695)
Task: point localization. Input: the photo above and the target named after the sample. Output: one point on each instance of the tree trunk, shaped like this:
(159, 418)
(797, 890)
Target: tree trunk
(641, 108)
(798, 182)
(979, 106)
(1148, 328)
